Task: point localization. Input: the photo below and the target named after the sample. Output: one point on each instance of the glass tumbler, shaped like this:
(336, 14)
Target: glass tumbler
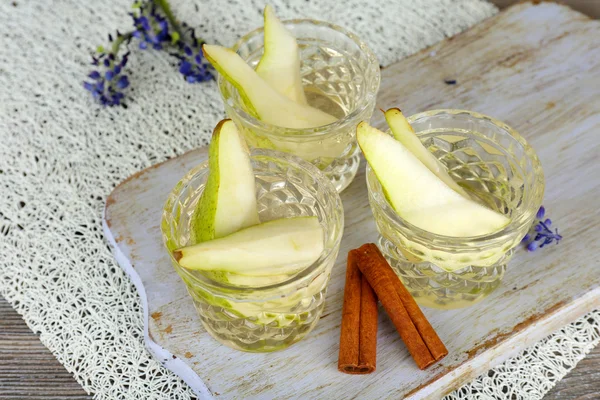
(261, 316)
(498, 168)
(340, 75)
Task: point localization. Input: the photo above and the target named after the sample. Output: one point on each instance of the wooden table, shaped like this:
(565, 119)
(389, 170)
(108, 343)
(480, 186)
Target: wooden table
(29, 371)
(27, 368)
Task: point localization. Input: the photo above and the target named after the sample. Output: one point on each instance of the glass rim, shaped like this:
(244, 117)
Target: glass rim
(319, 131)
(307, 274)
(525, 217)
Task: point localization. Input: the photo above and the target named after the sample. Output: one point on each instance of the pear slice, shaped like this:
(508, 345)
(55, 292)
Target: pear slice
(245, 280)
(264, 102)
(279, 65)
(405, 134)
(279, 247)
(418, 195)
(228, 202)
(253, 281)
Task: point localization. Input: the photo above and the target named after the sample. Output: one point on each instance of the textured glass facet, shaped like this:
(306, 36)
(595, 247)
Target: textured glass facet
(340, 76)
(261, 316)
(498, 168)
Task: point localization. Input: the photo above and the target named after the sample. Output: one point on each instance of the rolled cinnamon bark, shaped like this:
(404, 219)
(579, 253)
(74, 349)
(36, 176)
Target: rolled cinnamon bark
(367, 355)
(428, 334)
(358, 335)
(373, 267)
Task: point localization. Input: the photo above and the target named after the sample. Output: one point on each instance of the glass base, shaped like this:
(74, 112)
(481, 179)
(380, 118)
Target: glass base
(341, 171)
(258, 331)
(433, 286)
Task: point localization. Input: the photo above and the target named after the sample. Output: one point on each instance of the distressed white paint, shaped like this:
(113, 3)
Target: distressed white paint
(536, 68)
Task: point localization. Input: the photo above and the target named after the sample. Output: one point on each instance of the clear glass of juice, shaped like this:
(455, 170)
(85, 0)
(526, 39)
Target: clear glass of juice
(497, 168)
(261, 314)
(340, 75)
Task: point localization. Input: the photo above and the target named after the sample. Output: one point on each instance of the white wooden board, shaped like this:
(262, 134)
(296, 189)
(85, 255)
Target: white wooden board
(536, 68)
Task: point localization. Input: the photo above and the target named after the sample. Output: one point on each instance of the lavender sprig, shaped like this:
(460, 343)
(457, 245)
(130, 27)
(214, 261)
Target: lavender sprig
(155, 27)
(540, 233)
(192, 64)
(151, 27)
(109, 80)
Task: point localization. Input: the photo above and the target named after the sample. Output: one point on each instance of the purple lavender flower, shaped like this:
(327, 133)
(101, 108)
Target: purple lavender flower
(192, 64)
(106, 87)
(540, 233)
(541, 212)
(155, 26)
(151, 27)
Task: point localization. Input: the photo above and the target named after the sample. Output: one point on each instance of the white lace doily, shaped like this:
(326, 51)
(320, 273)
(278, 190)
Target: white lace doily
(61, 155)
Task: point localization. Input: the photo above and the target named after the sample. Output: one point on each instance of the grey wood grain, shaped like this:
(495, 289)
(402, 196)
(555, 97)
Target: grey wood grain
(583, 383)
(29, 371)
(535, 67)
(41, 376)
(588, 7)
(27, 368)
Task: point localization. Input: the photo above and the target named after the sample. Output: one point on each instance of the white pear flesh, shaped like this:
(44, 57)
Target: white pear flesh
(228, 202)
(405, 134)
(249, 280)
(418, 195)
(279, 65)
(264, 102)
(277, 247)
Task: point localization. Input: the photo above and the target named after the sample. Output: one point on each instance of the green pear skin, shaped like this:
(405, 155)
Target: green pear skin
(263, 102)
(228, 202)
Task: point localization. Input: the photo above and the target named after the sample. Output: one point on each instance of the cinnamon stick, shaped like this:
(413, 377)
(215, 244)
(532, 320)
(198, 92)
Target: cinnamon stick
(430, 337)
(358, 336)
(373, 268)
(367, 356)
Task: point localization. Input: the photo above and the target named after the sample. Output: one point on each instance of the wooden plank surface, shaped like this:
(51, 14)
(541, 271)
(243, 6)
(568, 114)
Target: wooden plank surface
(41, 376)
(44, 378)
(535, 67)
(588, 7)
(583, 383)
(27, 368)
